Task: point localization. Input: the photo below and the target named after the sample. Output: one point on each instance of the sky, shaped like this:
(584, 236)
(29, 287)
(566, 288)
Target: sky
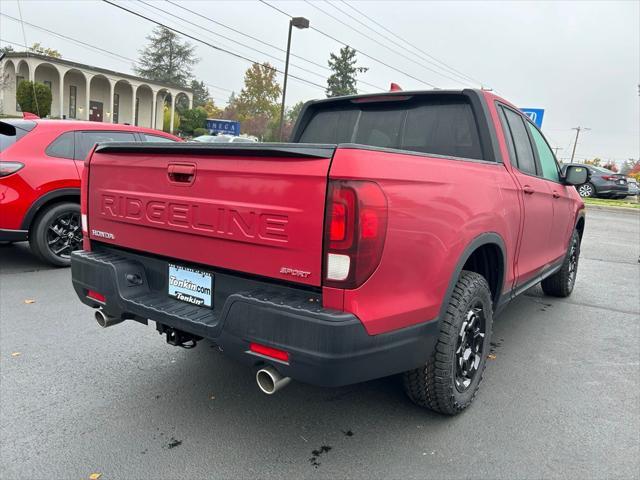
(578, 60)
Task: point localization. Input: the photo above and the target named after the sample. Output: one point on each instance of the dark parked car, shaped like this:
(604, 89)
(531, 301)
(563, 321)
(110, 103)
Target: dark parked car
(603, 183)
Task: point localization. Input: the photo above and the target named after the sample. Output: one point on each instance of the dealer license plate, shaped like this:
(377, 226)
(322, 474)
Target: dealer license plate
(191, 285)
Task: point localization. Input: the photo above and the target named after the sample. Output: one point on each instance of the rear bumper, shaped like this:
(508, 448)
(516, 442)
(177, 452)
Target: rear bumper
(326, 347)
(13, 235)
(612, 189)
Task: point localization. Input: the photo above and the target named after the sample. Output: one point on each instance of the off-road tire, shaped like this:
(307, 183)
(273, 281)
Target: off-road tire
(434, 385)
(38, 233)
(561, 283)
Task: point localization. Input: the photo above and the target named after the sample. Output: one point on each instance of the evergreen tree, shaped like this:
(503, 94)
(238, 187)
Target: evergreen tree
(200, 93)
(343, 80)
(166, 58)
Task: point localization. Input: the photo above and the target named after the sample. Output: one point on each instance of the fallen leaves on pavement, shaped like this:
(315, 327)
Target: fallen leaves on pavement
(29, 301)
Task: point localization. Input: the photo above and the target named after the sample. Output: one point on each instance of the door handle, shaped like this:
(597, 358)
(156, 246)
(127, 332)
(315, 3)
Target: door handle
(181, 173)
(556, 194)
(528, 190)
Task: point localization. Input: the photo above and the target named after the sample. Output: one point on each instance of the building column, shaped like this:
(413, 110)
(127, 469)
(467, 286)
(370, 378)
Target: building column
(134, 89)
(61, 93)
(32, 71)
(154, 101)
(87, 95)
(190, 98)
(111, 91)
(173, 109)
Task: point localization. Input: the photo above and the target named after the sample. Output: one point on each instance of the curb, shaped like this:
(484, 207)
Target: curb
(625, 210)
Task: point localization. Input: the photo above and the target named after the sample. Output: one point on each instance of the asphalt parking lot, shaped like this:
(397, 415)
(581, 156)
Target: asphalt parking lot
(561, 398)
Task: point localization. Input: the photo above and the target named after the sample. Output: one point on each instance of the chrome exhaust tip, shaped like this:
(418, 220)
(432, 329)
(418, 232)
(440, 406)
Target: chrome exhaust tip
(105, 320)
(270, 381)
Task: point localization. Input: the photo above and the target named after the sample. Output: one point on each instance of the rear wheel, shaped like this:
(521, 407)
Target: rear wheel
(587, 190)
(561, 283)
(56, 233)
(450, 379)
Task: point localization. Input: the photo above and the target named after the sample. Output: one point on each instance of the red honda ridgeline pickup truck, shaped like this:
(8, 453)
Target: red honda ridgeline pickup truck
(382, 240)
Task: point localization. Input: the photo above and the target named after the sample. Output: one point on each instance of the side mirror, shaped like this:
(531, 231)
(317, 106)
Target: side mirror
(575, 175)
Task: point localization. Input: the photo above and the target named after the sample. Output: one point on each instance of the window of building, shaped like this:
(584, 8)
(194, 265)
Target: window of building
(73, 91)
(516, 131)
(137, 110)
(547, 160)
(116, 107)
(88, 139)
(62, 147)
(48, 84)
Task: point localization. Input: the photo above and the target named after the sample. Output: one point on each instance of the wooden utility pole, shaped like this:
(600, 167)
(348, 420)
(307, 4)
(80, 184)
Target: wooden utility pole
(575, 144)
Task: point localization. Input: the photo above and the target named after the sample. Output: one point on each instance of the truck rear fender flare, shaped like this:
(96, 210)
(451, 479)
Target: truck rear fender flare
(476, 245)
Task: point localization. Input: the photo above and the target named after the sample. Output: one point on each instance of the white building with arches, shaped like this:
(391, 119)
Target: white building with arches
(84, 92)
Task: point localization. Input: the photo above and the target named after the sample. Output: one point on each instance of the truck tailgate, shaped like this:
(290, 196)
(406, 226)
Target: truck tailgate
(252, 208)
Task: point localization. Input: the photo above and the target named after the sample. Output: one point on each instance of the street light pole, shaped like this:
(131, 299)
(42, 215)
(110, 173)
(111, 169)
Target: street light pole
(575, 144)
(301, 23)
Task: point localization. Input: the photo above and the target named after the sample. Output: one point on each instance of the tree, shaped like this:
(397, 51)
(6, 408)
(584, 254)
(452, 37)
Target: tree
(628, 166)
(166, 58)
(293, 112)
(34, 97)
(49, 52)
(200, 93)
(594, 161)
(611, 166)
(260, 93)
(192, 119)
(212, 110)
(343, 80)
(166, 120)
(5, 50)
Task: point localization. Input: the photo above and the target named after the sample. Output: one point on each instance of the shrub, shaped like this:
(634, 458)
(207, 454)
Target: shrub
(34, 97)
(200, 131)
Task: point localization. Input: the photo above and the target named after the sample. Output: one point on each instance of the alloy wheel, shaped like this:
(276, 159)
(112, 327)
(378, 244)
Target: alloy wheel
(585, 190)
(470, 346)
(64, 234)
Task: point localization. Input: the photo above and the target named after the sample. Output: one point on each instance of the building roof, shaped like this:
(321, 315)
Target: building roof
(105, 71)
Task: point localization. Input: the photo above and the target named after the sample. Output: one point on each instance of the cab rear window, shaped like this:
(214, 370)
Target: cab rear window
(441, 126)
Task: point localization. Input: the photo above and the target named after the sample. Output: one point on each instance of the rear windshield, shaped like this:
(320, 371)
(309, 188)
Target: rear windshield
(13, 130)
(438, 126)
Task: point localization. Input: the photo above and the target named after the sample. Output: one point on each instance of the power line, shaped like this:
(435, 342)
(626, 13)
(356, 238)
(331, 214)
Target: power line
(394, 51)
(245, 34)
(409, 44)
(364, 54)
(155, 7)
(260, 41)
(89, 46)
(224, 50)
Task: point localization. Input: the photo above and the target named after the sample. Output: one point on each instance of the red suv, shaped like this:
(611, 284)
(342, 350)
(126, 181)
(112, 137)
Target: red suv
(41, 164)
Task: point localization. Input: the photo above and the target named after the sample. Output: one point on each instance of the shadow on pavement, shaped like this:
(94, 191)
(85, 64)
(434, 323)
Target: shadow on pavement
(17, 258)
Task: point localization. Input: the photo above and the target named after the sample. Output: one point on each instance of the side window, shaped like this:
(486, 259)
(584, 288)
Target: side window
(89, 139)
(62, 147)
(524, 152)
(547, 160)
(147, 137)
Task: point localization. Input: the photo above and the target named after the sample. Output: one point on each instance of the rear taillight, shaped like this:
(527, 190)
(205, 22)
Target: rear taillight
(611, 178)
(7, 168)
(355, 231)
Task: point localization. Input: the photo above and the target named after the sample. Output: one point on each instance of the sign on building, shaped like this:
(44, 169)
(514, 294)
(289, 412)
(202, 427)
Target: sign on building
(227, 127)
(535, 114)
